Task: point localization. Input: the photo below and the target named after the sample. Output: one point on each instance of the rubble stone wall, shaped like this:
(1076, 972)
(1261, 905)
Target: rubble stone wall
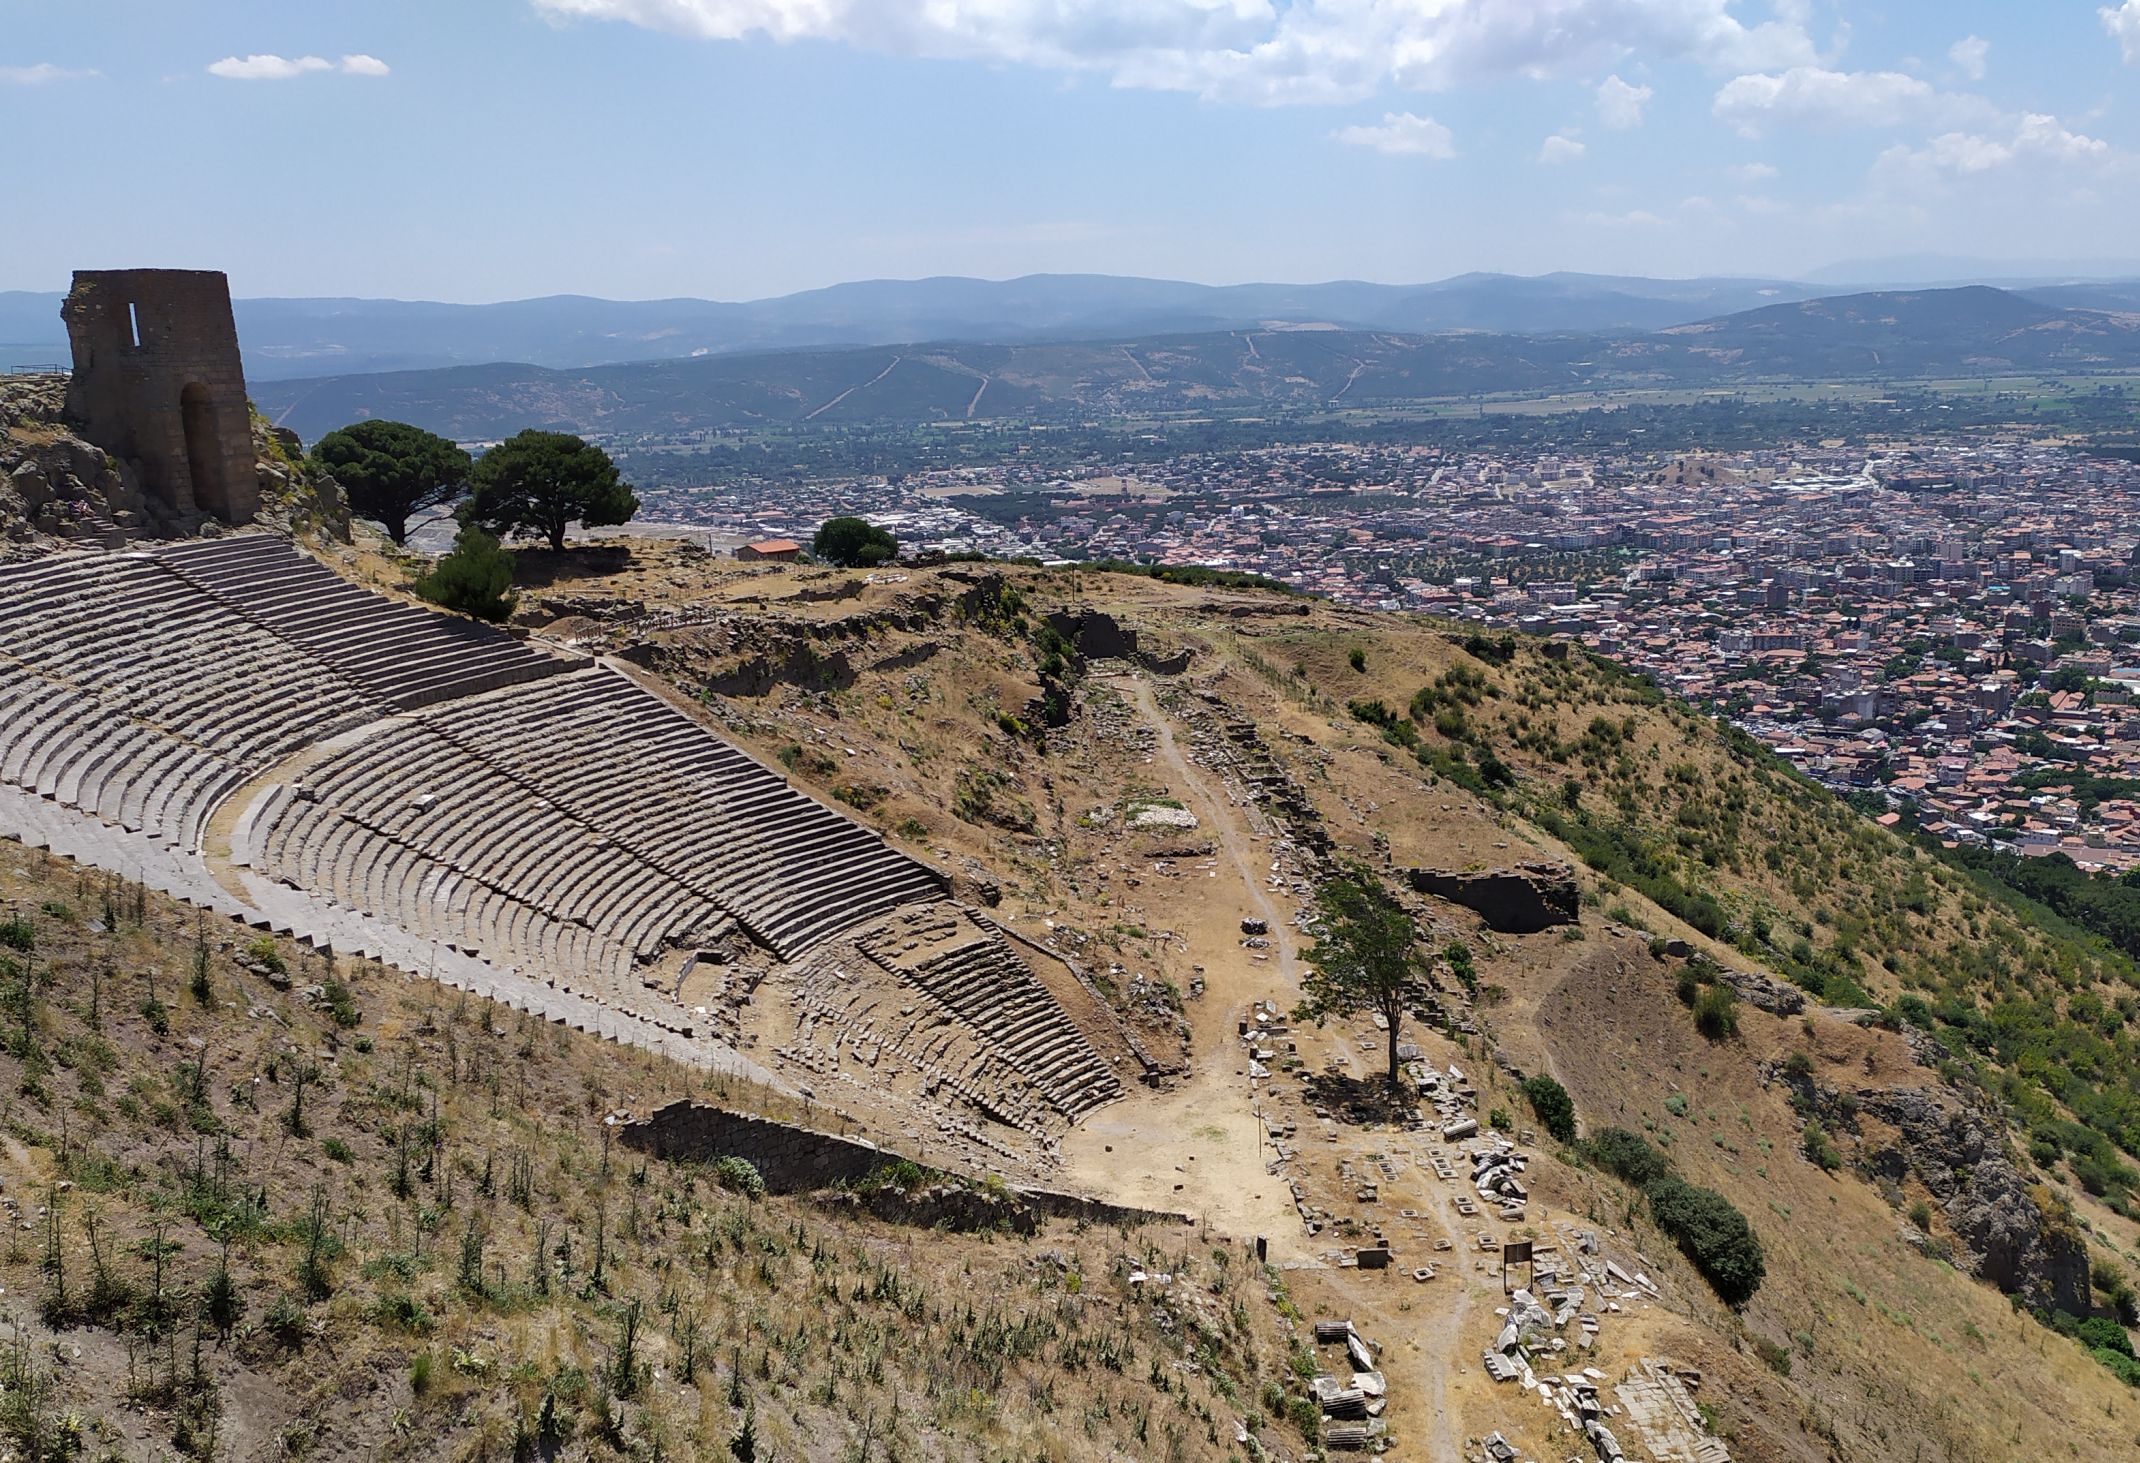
(1518, 901)
(794, 1159)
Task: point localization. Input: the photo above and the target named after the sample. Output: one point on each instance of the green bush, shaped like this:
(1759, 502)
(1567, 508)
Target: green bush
(740, 1176)
(1627, 1155)
(16, 933)
(1713, 1235)
(2122, 1366)
(341, 1004)
(263, 951)
(2101, 1333)
(1716, 1012)
(1555, 1109)
(476, 578)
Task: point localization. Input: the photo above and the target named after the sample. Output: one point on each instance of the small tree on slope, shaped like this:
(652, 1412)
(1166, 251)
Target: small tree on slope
(1362, 958)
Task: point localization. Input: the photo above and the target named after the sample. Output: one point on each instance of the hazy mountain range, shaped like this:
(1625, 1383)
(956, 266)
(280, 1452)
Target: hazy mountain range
(1973, 330)
(321, 337)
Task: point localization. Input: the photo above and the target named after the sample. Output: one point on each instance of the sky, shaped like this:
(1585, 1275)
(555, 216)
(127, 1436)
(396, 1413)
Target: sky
(481, 150)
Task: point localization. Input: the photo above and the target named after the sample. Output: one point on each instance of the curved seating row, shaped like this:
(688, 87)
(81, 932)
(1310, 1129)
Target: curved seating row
(404, 655)
(131, 696)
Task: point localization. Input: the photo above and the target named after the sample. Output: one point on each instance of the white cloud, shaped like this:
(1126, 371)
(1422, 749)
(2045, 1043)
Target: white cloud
(2123, 23)
(1265, 51)
(1560, 148)
(2035, 138)
(44, 73)
(1621, 105)
(1640, 218)
(283, 68)
(267, 68)
(1752, 172)
(1815, 96)
(1969, 55)
(1401, 134)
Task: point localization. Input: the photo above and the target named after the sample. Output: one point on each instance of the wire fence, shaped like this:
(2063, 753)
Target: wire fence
(36, 368)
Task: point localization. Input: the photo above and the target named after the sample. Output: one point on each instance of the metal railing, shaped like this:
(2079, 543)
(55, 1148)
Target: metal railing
(37, 368)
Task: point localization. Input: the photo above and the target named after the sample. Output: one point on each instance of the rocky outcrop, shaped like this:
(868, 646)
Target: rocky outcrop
(1765, 993)
(2018, 1234)
(1518, 901)
(56, 488)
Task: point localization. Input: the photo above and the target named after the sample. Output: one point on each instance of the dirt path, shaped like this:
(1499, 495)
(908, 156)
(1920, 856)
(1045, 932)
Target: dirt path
(1200, 1147)
(861, 386)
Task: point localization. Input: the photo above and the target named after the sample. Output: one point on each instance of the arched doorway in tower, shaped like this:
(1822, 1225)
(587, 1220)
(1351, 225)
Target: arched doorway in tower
(204, 452)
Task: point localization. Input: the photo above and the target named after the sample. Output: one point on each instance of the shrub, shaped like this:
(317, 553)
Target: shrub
(1555, 1109)
(2123, 1367)
(341, 1005)
(740, 1176)
(1356, 658)
(476, 578)
(1627, 1155)
(16, 933)
(1819, 1149)
(2101, 1333)
(1716, 1012)
(1713, 1235)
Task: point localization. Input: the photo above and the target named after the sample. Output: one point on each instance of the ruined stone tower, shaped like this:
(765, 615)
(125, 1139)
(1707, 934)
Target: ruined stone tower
(158, 381)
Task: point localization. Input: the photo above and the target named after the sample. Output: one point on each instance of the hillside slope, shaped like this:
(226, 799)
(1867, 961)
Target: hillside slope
(1843, 1119)
(264, 1204)
(1905, 1058)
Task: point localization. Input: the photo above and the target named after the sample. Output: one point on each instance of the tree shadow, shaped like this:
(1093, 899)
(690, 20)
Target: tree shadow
(538, 566)
(1361, 1100)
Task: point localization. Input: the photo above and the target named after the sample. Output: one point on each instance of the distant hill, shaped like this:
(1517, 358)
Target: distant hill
(1931, 332)
(316, 337)
(1971, 329)
(1921, 271)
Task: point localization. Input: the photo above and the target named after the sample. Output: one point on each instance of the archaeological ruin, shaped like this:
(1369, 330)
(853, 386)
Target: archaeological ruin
(158, 382)
(229, 720)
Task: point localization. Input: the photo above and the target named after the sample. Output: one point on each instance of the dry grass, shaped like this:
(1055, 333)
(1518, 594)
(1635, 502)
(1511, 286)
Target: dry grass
(436, 1246)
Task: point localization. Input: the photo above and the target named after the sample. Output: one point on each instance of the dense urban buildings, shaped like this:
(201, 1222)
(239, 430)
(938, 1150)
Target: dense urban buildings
(1944, 626)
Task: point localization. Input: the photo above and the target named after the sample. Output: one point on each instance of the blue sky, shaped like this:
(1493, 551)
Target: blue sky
(491, 149)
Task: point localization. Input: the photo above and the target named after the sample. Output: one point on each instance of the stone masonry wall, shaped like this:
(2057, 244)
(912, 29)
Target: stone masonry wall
(793, 1159)
(158, 381)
